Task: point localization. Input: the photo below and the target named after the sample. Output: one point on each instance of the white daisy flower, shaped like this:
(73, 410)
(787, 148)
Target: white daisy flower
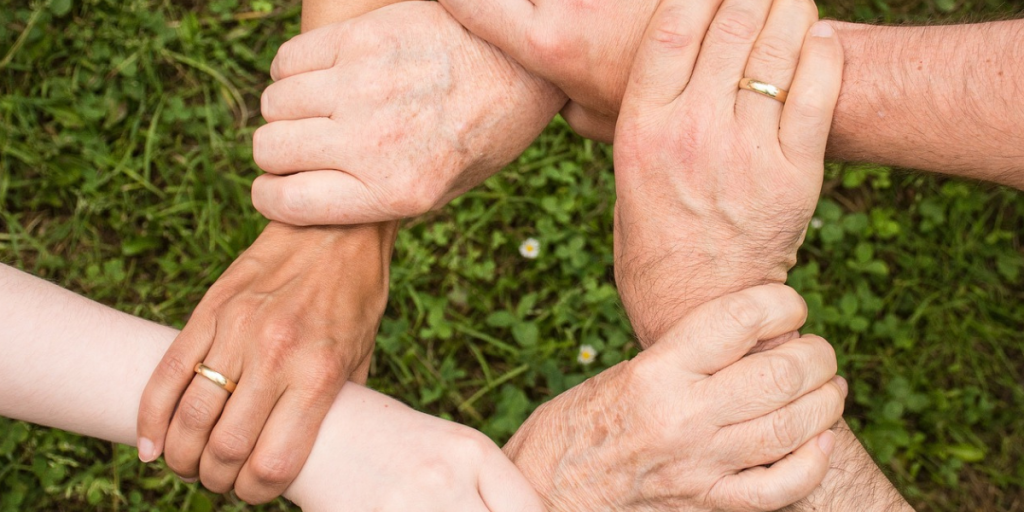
(816, 223)
(530, 248)
(587, 354)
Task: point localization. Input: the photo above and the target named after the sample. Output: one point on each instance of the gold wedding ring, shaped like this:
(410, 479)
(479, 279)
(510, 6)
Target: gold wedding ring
(215, 377)
(765, 89)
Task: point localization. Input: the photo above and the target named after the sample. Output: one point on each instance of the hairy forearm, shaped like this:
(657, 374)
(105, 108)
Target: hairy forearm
(853, 484)
(945, 99)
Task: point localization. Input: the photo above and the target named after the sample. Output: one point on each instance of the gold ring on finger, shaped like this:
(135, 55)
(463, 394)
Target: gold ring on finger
(216, 377)
(765, 89)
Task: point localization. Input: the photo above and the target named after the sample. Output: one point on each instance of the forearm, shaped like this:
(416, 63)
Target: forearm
(74, 364)
(853, 484)
(945, 99)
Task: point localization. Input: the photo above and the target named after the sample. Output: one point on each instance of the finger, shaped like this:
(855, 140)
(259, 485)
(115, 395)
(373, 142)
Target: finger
(720, 332)
(782, 431)
(766, 381)
(774, 58)
(807, 116)
(312, 51)
(283, 445)
(319, 198)
(301, 96)
(197, 413)
(503, 23)
(666, 57)
(784, 483)
(589, 124)
(168, 383)
(236, 432)
(286, 147)
(503, 487)
(727, 46)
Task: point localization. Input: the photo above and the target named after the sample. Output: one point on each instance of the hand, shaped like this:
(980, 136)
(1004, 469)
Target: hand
(388, 116)
(719, 202)
(688, 424)
(374, 453)
(585, 48)
(290, 321)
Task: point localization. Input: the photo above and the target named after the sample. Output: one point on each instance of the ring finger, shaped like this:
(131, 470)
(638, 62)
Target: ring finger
(235, 434)
(774, 59)
(197, 413)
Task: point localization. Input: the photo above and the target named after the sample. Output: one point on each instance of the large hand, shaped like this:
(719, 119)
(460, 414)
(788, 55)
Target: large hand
(392, 114)
(721, 201)
(688, 424)
(290, 321)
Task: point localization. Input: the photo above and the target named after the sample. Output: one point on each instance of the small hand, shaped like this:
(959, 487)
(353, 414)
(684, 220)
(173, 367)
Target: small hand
(716, 185)
(388, 116)
(290, 321)
(689, 424)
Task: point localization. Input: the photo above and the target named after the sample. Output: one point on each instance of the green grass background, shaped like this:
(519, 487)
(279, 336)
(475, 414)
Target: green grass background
(125, 162)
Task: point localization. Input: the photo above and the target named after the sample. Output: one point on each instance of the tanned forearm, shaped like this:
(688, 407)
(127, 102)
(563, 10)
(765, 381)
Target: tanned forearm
(945, 99)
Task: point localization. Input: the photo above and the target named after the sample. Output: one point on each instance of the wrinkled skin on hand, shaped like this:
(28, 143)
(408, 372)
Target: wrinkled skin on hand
(688, 424)
(585, 47)
(389, 115)
(722, 201)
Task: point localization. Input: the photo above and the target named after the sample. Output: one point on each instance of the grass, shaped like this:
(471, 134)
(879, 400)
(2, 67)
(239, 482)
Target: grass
(124, 169)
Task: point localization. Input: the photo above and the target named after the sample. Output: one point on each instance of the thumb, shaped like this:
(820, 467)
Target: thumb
(319, 198)
(720, 332)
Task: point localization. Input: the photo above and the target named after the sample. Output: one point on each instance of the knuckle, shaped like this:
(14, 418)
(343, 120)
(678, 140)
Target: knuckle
(784, 375)
(786, 432)
(743, 311)
(272, 470)
(279, 337)
(231, 448)
(773, 52)
(666, 29)
(406, 203)
(735, 25)
(549, 45)
(196, 414)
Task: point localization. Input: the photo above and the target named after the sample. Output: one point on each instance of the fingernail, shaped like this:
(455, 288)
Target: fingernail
(822, 29)
(827, 441)
(841, 382)
(147, 450)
